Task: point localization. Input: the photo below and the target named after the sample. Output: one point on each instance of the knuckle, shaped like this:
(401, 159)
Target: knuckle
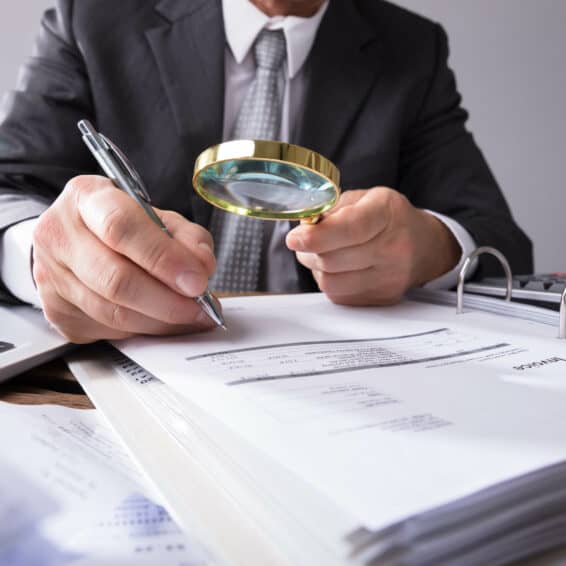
(118, 317)
(156, 258)
(171, 218)
(48, 230)
(79, 185)
(115, 283)
(196, 232)
(40, 274)
(114, 227)
(358, 229)
(395, 205)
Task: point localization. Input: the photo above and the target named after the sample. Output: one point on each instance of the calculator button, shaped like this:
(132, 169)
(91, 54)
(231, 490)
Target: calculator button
(535, 286)
(500, 282)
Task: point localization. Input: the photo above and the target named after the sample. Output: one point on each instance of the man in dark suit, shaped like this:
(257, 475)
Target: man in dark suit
(364, 82)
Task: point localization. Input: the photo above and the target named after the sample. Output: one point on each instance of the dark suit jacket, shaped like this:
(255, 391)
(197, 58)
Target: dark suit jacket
(381, 103)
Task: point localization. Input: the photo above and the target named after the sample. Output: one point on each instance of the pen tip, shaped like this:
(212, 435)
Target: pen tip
(224, 327)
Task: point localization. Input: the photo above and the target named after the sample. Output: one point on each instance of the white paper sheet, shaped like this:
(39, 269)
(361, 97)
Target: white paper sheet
(106, 511)
(75, 455)
(136, 531)
(389, 412)
(23, 506)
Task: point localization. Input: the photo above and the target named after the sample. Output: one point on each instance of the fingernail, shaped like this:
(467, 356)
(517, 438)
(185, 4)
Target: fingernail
(189, 283)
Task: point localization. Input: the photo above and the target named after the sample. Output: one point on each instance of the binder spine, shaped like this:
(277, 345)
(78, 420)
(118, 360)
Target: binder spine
(509, 283)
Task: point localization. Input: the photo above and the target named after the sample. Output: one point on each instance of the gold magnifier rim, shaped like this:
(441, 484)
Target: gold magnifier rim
(268, 150)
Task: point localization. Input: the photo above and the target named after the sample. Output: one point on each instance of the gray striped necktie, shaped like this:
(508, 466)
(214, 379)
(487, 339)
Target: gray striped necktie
(239, 239)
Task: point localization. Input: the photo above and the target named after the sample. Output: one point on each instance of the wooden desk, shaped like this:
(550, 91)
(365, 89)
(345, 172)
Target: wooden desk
(51, 383)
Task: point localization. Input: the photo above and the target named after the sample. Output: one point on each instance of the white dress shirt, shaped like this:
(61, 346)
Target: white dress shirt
(243, 22)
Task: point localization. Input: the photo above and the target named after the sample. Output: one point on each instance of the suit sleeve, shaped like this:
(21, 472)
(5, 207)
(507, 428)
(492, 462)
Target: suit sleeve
(40, 147)
(444, 170)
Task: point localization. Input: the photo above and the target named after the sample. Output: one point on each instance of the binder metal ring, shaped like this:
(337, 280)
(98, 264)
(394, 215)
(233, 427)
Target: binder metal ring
(463, 272)
(562, 334)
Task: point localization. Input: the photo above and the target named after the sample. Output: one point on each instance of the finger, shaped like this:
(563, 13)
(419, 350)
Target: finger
(383, 288)
(71, 322)
(121, 224)
(347, 198)
(350, 225)
(365, 299)
(192, 236)
(112, 315)
(352, 258)
(121, 282)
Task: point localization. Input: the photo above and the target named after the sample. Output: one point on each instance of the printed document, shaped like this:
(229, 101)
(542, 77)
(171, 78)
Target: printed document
(88, 504)
(388, 412)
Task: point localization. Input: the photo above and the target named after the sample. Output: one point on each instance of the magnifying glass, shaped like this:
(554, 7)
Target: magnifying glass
(267, 179)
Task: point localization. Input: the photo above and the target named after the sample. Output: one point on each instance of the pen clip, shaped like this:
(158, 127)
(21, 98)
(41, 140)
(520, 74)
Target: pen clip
(124, 162)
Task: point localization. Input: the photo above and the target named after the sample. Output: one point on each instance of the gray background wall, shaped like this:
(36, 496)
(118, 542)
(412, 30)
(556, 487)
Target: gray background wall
(510, 59)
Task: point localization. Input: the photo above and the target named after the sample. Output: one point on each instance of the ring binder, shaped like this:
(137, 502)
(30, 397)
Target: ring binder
(462, 275)
(509, 280)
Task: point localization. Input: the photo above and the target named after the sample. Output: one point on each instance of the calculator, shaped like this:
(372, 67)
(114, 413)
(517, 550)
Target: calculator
(540, 289)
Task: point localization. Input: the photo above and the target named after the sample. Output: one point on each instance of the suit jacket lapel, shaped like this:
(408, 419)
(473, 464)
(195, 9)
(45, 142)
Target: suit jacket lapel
(344, 64)
(189, 50)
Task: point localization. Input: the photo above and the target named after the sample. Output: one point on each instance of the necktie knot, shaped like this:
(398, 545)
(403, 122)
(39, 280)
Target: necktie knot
(270, 49)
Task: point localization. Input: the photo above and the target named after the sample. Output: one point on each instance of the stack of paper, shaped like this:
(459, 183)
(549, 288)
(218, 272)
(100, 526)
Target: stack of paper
(526, 312)
(319, 434)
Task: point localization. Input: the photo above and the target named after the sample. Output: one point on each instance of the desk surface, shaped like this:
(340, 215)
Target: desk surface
(50, 383)
(53, 383)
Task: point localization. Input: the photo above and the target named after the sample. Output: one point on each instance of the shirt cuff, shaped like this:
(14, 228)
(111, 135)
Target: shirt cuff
(15, 261)
(467, 244)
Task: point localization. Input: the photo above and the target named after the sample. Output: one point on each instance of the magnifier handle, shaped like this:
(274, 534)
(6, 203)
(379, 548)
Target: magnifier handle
(312, 220)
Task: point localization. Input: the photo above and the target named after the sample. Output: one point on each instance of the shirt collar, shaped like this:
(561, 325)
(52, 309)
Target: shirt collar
(243, 22)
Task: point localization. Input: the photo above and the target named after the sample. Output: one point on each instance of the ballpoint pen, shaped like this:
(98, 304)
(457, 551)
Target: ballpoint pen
(120, 171)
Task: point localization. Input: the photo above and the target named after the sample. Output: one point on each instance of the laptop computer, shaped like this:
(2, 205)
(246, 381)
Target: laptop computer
(26, 340)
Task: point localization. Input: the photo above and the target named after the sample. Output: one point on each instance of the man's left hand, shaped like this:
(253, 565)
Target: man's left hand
(373, 246)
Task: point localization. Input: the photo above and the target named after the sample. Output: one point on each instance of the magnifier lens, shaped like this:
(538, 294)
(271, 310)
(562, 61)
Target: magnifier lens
(266, 187)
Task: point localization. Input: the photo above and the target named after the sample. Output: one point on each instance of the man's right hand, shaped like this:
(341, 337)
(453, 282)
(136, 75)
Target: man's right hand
(104, 270)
